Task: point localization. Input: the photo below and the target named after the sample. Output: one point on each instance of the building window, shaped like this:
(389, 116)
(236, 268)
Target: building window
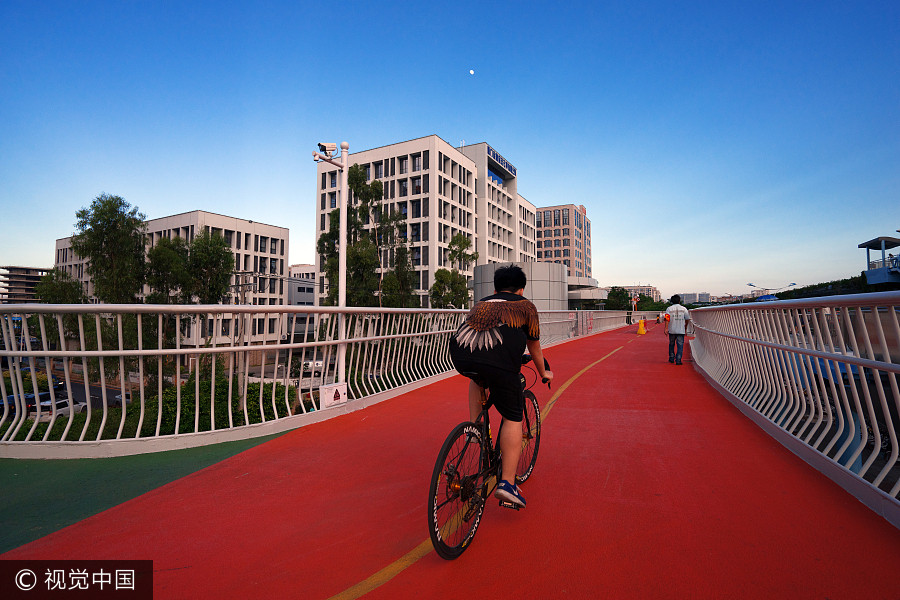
(417, 162)
(333, 179)
(565, 216)
(379, 170)
(404, 165)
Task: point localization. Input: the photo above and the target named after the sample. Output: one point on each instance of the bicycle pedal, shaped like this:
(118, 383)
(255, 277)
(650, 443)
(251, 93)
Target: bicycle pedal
(511, 505)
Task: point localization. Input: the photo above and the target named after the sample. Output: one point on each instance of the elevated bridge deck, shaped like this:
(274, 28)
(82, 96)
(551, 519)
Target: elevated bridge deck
(648, 485)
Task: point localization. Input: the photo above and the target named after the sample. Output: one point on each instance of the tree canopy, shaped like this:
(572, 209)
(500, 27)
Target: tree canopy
(378, 267)
(449, 290)
(110, 236)
(210, 263)
(58, 287)
(167, 271)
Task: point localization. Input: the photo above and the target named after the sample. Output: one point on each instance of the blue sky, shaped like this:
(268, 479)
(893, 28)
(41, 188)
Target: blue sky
(713, 143)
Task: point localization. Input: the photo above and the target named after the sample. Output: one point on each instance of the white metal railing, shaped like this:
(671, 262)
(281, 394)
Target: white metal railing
(101, 374)
(821, 373)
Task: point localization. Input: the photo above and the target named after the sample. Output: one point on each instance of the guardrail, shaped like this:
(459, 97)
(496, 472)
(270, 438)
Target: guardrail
(98, 380)
(820, 375)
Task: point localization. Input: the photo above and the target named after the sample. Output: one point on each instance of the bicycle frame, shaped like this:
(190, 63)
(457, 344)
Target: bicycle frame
(462, 479)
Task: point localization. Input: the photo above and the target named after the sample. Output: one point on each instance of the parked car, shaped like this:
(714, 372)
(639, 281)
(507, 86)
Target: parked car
(9, 401)
(117, 399)
(46, 403)
(314, 367)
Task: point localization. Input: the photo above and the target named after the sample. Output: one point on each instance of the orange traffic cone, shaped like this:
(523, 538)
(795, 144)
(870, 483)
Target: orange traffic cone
(641, 330)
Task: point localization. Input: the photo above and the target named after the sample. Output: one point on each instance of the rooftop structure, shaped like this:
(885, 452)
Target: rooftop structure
(887, 268)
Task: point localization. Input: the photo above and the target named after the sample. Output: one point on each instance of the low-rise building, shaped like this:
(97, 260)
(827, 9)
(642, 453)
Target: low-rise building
(17, 284)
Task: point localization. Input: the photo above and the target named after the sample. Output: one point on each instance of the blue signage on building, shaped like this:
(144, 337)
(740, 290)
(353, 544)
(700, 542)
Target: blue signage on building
(501, 161)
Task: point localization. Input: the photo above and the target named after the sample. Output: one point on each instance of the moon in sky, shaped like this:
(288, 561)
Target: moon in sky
(471, 71)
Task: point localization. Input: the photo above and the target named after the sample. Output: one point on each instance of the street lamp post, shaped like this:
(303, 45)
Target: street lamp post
(327, 151)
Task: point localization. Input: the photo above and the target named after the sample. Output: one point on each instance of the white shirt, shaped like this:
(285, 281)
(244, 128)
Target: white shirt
(678, 318)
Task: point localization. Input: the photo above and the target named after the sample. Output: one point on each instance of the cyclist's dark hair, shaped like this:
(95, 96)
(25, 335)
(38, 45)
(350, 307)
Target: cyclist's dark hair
(676, 299)
(509, 279)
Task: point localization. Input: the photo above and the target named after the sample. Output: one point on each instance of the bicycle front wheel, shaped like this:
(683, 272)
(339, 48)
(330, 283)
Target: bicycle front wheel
(531, 437)
(456, 496)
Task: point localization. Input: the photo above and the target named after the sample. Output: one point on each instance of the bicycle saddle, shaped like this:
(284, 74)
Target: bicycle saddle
(476, 377)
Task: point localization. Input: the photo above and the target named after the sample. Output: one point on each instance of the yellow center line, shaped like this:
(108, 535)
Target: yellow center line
(398, 566)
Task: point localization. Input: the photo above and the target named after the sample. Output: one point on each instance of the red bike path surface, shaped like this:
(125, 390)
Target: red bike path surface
(648, 484)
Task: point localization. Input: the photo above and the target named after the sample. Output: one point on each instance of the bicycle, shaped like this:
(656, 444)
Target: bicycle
(467, 471)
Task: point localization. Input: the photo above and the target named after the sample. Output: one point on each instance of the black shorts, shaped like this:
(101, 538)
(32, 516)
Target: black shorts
(505, 386)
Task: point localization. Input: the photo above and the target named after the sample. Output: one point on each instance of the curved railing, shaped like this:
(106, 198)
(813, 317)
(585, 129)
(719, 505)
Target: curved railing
(821, 375)
(93, 380)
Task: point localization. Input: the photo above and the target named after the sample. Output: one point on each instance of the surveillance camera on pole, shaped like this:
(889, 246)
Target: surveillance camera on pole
(326, 153)
(327, 149)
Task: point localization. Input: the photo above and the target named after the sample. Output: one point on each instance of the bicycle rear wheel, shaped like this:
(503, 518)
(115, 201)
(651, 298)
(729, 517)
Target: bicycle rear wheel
(457, 493)
(531, 437)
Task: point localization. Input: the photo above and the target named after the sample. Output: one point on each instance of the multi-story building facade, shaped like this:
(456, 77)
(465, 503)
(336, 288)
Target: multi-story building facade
(643, 290)
(473, 190)
(260, 253)
(695, 297)
(301, 284)
(504, 220)
(17, 284)
(427, 180)
(564, 236)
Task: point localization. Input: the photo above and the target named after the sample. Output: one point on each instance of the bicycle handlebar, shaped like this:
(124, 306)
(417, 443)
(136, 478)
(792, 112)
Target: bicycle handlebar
(526, 358)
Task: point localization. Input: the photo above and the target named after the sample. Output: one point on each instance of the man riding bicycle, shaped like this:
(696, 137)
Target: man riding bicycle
(491, 342)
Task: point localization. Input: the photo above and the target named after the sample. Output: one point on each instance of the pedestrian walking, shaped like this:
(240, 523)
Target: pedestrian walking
(677, 318)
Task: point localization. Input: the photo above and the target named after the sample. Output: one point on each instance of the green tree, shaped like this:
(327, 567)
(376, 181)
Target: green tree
(646, 303)
(210, 265)
(371, 236)
(449, 290)
(327, 248)
(458, 252)
(362, 273)
(110, 236)
(618, 299)
(398, 284)
(167, 271)
(58, 287)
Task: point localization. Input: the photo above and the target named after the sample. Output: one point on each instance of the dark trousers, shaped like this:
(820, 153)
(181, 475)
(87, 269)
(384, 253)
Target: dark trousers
(676, 347)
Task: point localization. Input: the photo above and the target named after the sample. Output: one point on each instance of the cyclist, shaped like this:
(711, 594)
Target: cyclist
(491, 342)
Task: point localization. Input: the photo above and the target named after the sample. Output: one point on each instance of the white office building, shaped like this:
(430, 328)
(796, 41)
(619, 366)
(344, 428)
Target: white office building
(442, 191)
(260, 256)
